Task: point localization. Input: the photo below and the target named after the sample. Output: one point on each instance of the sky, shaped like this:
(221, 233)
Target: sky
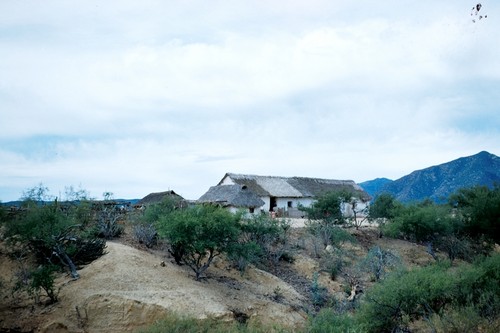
(134, 97)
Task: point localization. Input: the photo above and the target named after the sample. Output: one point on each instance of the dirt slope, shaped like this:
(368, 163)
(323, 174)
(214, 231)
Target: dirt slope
(129, 288)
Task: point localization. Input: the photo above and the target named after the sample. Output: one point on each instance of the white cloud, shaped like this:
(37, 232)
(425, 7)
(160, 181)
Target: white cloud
(139, 97)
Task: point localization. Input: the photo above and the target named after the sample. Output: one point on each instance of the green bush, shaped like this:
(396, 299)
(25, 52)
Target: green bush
(267, 238)
(197, 235)
(182, 324)
(420, 222)
(478, 208)
(330, 321)
(412, 295)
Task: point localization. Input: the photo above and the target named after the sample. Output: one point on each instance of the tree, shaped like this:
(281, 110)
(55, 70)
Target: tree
(421, 222)
(478, 208)
(197, 235)
(53, 233)
(325, 215)
(383, 209)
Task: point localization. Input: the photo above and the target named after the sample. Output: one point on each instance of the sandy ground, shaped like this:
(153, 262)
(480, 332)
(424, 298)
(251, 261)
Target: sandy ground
(128, 288)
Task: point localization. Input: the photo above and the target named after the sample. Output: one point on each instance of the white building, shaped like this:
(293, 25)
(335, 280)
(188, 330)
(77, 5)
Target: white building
(285, 194)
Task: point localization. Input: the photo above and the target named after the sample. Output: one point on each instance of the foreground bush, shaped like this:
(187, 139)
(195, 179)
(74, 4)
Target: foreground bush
(422, 293)
(179, 324)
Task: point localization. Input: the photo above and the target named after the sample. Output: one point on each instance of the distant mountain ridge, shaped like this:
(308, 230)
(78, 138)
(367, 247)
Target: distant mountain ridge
(372, 187)
(438, 182)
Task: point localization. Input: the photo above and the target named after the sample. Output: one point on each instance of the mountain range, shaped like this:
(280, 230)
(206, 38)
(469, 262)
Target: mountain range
(438, 182)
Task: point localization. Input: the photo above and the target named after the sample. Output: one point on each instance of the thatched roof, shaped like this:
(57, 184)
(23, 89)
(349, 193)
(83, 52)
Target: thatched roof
(231, 195)
(294, 187)
(158, 197)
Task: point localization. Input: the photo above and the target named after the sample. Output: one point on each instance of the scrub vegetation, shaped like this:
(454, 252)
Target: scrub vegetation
(458, 291)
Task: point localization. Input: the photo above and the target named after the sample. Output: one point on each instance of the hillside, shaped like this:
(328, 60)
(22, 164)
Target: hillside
(131, 287)
(438, 182)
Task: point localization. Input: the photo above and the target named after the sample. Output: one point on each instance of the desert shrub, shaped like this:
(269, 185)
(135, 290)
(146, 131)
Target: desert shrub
(108, 222)
(43, 279)
(181, 324)
(153, 213)
(333, 261)
(242, 254)
(391, 304)
(420, 222)
(145, 233)
(478, 208)
(264, 241)
(378, 262)
(34, 281)
(462, 319)
(408, 296)
(329, 320)
(318, 293)
(52, 232)
(198, 234)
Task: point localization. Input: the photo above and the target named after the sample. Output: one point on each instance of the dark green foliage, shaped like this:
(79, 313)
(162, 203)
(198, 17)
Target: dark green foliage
(330, 321)
(242, 254)
(155, 212)
(267, 239)
(43, 279)
(51, 230)
(420, 222)
(327, 208)
(478, 208)
(383, 208)
(47, 231)
(199, 234)
(401, 298)
(145, 224)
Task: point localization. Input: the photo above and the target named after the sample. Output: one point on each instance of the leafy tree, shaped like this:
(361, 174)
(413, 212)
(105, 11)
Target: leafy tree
(46, 231)
(328, 208)
(420, 222)
(53, 233)
(478, 208)
(325, 215)
(197, 235)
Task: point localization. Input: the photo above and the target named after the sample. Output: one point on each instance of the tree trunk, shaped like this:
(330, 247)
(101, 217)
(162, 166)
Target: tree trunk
(66, 260)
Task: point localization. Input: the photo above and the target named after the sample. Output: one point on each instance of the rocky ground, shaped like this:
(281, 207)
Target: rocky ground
(130, 287)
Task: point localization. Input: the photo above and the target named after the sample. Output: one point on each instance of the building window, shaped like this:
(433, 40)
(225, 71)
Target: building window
(251, 210)
(290, 204)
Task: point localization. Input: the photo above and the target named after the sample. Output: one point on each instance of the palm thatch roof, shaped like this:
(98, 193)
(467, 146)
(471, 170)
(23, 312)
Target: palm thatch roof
(295, 187)
(231, 195)
(158, 197)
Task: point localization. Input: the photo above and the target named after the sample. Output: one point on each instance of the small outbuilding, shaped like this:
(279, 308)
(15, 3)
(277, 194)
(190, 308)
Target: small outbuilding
(234, 197)
(158, 197)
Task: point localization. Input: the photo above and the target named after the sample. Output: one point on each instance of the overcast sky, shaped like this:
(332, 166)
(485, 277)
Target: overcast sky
(135, 97)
